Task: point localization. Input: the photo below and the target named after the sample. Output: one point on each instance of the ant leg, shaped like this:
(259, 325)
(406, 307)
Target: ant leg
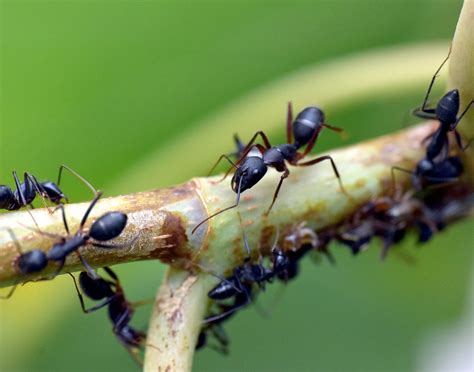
(220, 335)
(237, 201)
(396, 190)
(221, 278)
(111, 273)
(232, 309)
(310, 144)
(239, 145)
(92, 273)
(117, 245)
(289, 123)
(334, 168)
(244, 236)
(275, 194)
(38, 188)
(88, 211)
(136, 304)
(13, 237)
(332, 127)
(20, 195)
(77, 175)
(424, 113)
(423, 107)
(223, 156)
(63, 214)
(9, 294)
(459, 141)
(461, 116)
(81, 299)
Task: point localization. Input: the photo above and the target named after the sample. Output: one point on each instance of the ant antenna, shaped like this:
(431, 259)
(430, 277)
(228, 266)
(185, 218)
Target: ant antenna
(77, 175)
(237, 201)
(423, 107)
(244, 236)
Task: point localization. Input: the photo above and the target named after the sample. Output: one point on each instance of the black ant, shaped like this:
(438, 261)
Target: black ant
(446, 112)
(107, 227)
(26, 192)
(119, 308)
(239, 284)
(429, 172)
(251, 168)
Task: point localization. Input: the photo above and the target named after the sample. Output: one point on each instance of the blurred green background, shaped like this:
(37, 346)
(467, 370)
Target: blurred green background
(102, 85)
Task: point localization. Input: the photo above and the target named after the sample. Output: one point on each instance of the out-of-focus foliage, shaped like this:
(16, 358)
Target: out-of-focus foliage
(100, 85)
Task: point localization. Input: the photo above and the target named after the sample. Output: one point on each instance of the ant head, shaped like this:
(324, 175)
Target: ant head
(108, 226)
(250, 171)
(32, 261)
(306, 123)
(95, 289)
(448, 107)
(54, 192)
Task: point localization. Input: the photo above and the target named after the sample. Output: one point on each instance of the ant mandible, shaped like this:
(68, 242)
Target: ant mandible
(26, 192)
(251, 168)
(120, 310)
(446, 112)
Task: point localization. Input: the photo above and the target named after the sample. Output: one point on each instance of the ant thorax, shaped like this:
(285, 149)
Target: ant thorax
(277, 155)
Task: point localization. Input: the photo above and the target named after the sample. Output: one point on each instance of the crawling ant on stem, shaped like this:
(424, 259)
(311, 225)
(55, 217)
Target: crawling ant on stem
(250, 168)
(446, 112)
(120, 310)
(26, 192)
(239, 284)
(105, 228)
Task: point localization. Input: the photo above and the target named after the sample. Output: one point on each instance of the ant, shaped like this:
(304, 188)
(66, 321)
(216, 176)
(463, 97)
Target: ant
(446, 112)
(120, 310)
(429, 172)
(239, 284)
(107, 227)
(26, 192)
(250, 168)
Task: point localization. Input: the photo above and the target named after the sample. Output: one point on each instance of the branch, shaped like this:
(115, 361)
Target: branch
(164, 218)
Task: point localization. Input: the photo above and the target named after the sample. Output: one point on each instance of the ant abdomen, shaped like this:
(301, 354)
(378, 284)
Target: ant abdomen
(306, 123)
(95, 289)
(223, 290)
(108, 226)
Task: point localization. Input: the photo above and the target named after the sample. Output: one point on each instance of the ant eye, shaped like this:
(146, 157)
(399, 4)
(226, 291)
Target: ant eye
(255, 171)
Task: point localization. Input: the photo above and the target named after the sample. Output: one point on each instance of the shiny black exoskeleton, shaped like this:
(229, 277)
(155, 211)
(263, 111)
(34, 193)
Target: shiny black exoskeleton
(119, 308)
(446, 112)
(26, 192)
(106, 227)
(239, 285)
(430, 172)
(250, 168)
